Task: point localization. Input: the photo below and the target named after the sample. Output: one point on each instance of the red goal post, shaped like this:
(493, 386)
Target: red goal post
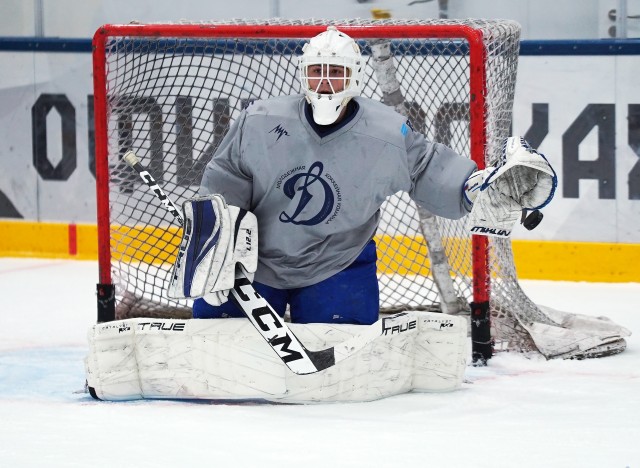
(169, 91)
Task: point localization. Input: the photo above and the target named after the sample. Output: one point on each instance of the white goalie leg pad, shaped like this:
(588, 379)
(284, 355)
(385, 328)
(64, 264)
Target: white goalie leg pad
(217, 238)
(521, 179)
(112, 360)
(228, 359)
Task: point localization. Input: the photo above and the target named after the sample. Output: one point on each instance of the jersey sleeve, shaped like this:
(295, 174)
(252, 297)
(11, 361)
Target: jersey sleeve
(225, 173)
(438, 175)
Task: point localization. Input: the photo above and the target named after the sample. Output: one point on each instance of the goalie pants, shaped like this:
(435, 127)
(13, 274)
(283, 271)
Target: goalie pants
(350, 296)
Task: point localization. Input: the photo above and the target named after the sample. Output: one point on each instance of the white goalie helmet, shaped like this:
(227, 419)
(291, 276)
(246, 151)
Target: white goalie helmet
(337, 80)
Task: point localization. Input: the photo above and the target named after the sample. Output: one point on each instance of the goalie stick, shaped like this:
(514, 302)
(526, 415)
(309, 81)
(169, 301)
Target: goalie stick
(269, 324)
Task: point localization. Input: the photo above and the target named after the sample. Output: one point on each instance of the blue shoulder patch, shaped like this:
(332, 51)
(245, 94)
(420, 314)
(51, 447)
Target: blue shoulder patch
(406, 127)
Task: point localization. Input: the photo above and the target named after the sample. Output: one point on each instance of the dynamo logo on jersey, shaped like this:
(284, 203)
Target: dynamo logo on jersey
(314, 196)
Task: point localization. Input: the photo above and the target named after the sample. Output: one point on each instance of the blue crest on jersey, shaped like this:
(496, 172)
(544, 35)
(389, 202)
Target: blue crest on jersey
(299, 184)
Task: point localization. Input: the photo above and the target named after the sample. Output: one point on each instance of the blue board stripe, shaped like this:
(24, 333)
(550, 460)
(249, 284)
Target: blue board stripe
(527, 47)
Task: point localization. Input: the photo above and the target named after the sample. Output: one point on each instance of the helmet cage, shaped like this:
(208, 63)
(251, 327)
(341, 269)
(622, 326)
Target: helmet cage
(332, 71)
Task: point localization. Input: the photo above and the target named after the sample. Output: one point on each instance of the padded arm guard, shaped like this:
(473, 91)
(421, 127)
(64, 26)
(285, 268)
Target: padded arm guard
(521, 179)
(216, 240)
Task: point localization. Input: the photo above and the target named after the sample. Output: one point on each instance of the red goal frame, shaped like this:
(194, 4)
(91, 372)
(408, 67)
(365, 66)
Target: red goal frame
(477, 105)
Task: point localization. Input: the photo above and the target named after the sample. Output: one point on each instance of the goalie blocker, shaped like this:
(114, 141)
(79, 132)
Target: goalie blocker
(217, 238)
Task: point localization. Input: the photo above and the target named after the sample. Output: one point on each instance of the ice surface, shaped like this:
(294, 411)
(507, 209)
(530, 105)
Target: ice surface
(517, 412)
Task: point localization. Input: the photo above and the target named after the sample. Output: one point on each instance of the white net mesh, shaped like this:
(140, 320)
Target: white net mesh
(172, 92)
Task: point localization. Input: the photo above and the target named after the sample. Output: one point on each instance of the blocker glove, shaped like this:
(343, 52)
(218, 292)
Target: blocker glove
(219, 243)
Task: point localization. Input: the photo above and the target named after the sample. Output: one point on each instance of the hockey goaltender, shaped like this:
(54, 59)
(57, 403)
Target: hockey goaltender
(276, 173)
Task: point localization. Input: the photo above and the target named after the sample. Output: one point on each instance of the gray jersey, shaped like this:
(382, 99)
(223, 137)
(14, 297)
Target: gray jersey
(317, 200)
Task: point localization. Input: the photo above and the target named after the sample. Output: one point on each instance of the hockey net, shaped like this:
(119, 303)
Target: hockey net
(170, 92)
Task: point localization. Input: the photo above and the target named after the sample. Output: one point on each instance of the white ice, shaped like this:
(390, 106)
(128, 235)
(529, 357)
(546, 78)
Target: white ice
(517, 412)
